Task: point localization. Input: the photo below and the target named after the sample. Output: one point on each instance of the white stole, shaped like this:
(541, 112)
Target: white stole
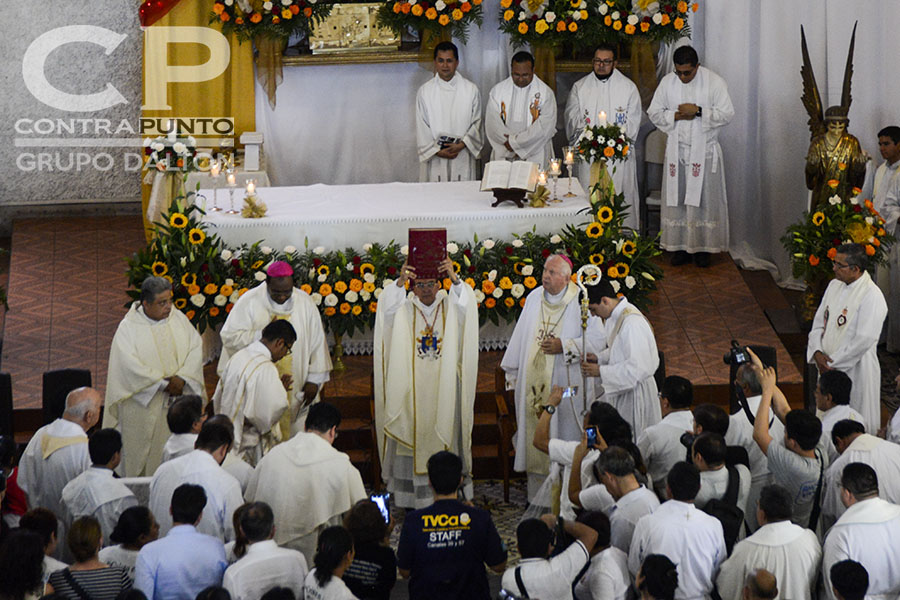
(697, 164)
(837, 317)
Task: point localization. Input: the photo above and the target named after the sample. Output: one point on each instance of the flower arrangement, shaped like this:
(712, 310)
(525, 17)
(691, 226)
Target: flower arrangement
(439, 16)
(172, 152)
(602, 142)
(274, 19)
(654, 20)
(544, 22)
(813, 241)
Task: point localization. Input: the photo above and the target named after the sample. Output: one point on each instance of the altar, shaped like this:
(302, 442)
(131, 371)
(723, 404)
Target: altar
(341, 216)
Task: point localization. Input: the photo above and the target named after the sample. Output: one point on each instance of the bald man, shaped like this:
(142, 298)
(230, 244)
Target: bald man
(760, 585)
(545, 350)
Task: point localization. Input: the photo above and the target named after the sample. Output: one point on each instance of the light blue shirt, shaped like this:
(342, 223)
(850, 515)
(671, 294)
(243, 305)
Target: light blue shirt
(180, 565)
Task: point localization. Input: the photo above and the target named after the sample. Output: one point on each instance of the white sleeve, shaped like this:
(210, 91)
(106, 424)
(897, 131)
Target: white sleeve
(571, 561)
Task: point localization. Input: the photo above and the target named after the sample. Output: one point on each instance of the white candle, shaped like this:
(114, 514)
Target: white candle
(251, 187)
(602, 118)
(230, 179)
(542, 177)
(214, 170)
(570, 157)
(554, 166)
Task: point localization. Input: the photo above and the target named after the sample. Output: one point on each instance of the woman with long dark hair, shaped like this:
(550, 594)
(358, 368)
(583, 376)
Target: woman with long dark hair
(21, 565)
(135, 529)
(334, 553)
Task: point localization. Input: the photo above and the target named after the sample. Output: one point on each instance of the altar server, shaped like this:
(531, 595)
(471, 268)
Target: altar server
(691, 105)
(156, 355)
(251, 392)
(427, 343)
(606, 89)
(867, 533)
(545, 350)
(846, 329)
(448, 121)
(627, 363)
(309, 363)
(520, 116)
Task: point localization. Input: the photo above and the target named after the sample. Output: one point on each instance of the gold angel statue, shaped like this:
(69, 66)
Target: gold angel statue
(835, 163)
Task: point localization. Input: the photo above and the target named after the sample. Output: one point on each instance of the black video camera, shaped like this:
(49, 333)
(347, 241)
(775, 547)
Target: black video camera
(736, 355)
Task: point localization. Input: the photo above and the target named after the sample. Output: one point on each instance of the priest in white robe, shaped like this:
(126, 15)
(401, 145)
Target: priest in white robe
(156, 355)
(448, 121)
(846, 329)
(308, 483)
(867, 533)
(309, 363)
(57, 453)
(624, 372)
(691, 105)
(606, 89)
(885, 196)
(545, 351)
(96, 492)
(252, 394)
(520, 116)
(790, 552)
(426, 350)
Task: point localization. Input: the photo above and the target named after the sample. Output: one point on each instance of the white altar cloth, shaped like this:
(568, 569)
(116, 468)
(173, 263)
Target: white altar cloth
(340, 216)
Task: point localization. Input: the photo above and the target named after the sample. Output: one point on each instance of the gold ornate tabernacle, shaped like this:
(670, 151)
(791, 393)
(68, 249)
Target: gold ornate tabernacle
(352, 28)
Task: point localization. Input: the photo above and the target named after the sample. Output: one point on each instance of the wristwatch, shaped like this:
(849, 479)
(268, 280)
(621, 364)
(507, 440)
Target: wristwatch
(550, 409)
(699, 112)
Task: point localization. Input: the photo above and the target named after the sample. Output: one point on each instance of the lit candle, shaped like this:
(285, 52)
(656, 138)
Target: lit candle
(554, 166)
(251, 187)
(602, 118)
(214, 170)
(230, 179)
(570, 157)
(542, 177)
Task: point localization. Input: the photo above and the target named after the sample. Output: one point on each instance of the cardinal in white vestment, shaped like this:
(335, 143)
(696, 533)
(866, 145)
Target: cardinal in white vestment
(308, 483)
(156, 355)
(520, 116)
(606, 89)
(626, 365)
(309, 363)
(544, 351)
(251, 391)
(448, 121)
(846, 329)
(691, 105)
(867, 532)
(426, 357)
(57, 453)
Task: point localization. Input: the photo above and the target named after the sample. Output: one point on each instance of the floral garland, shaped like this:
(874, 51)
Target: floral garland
(277, 19)
(543, 22)
(453, 16)
(813, 241)
(655, 20)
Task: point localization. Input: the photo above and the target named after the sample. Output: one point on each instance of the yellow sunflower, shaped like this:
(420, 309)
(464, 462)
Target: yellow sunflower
(605, 214)
(594, 230)
(159, 268)
(188, 279)
(196, 236)
(180, 303)
(256, 265)
(596, 259)
(517, 267)
(818, 218)
(456, 267)
(366, 268)
(629, 248)
(323, 270)
(623, 269)
(178, 220)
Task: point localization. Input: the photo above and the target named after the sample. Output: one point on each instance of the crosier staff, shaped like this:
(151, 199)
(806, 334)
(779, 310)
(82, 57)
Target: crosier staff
(587, 275)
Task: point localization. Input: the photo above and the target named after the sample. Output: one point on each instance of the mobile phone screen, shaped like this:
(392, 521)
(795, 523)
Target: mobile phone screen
(591, 436)
(383, 501)
(570, 392)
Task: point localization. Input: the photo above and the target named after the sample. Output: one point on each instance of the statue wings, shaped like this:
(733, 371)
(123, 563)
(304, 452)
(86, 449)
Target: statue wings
(848, 74)
(812, 102)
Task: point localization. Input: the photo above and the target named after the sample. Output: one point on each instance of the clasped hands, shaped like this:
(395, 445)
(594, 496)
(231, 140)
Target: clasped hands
(451, 151)
(686, 111)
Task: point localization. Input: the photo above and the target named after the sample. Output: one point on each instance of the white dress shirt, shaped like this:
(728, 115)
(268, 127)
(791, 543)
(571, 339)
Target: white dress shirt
(714, 484)
(625, 514)
(548, 578)
(177, 445)
(607, 578)
(263, 567)
(661, 447)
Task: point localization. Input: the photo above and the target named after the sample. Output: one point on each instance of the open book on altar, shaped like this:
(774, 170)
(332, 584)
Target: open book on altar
(505, 175)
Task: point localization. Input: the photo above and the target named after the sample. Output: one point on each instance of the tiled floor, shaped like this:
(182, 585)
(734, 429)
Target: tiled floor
(66, 297)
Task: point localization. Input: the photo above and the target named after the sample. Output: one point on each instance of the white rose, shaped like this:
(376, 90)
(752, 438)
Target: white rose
(179, 148)
(351, 296)
(630, 282)
(440, 5)
(365, 295)
(834, 200)
(588, 135)
(183, 261)
(220, 300)
(549, 16)
(290, 249)
(488, 244)
(377, 292)
(348, 266)
(191, 141)
(870, 220)
(583, 4)
(369, 277)
(576, 16)
(229, 282)
(331, 300)
(479, 295)
(367, 247)
(657, 18)
(259, 276)
(452, 248)
(158, 146)
(492, 275)
(633, 19)
(603, 8)
(412, 2)
(555, 239)
(316, 298)
(321, 278)
(619, 147)
(615, 285)
(319, 250)
(615, 16)
(286, 2)
(265, 250)
(498, 292)
(517, 290)
(517, 243)
(854, 200)
(601, 139)
(146, 142)
(198, 300)
(267, 5)
(234, 296)
(527, 270)
(404, 250)
(522, 15)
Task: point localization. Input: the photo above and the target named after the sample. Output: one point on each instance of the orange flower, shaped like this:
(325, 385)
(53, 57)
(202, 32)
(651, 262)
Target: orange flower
(218, 8)
(560, 25)
(490, 303)
(356, 310)
(870, 250)
(193, 289)
(629, 29)
(286, 13)
(833, 183)
(214, 311)
(695, 7)
(276, 20)
(868, 203)
(625, 150)
(476, 2)
(307, 12)
(243, 291)
(876, 242)
(842, 166)
(190, 315)
(678, 24)
(255, 18)
(306, 288)
(431, 14)
(470, 282)
(373, 306)
(608, 152)
(229, 306)
(210, 289)
(529, 282)
(682, 6)
(612, 272)
(405, 8)
(505, 283)
(369, 287)
(573, 27)
(881, 232)
(340, 287)
(457, 14)
(664, 19)
(856, 191)
(522, 302)
(832, 252)
(356, 285)
(465, 7)
(446, 283)
(294, 9)
(345, 308)
(329, 311)
(645, 27)
(505, 3)
(396, 8)
(617, 25)
(417, 10)
(487, 286)
(523, 27)
(607, 21)
(324, 289)
(509, 302)
(225, 17)
(226, 290)
(443, 20)
(813, 260)
(239, 21)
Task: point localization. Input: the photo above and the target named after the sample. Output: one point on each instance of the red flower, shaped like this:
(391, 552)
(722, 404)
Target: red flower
(504, 260)
(206, 277)
(509, 250)
(595, 144)
(857, 208)
(239, 272)
(668, 9)
(467, 252)
(204, 267)
(356, 270)
(472, 269)
(356, 260)
(392, 271)
(235, 262)
(316, 262)
(545, 253)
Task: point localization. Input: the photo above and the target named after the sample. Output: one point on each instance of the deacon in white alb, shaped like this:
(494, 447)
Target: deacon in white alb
(156, 355)
(251, 392)
(623, 373)
(544, 351)
(691, 105)
(867, 533)
(606, 89)
(448, 121)
(309, 363)
(846, 329)
(520, 116)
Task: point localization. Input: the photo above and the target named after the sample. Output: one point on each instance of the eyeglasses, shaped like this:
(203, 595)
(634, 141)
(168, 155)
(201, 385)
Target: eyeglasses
(421, 285)
(687, 73)
(288, 350)
(604, 61)
(840, 265)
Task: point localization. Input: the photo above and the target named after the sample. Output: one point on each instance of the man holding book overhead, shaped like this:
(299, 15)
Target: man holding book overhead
(426, 365)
